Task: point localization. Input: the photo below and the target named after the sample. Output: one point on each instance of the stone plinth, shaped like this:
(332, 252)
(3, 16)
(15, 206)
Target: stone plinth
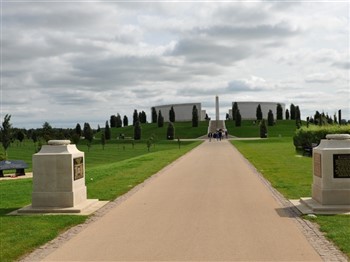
(331, 176)
(59, 180)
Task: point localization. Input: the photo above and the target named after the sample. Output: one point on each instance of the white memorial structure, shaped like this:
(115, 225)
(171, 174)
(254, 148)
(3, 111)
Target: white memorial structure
(59, 181)
(183, 112)
(247, 109)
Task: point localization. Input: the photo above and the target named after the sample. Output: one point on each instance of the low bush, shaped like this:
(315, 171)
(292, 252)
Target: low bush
(306, 136)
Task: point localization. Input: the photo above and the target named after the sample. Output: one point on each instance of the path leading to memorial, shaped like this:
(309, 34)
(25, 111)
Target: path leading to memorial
(209, 205)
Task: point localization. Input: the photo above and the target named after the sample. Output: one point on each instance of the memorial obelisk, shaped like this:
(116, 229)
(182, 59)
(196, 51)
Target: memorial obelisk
(217, 114)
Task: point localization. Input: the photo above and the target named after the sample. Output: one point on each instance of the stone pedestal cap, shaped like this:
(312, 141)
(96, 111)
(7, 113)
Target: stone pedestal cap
(338, 136)
(58, 142)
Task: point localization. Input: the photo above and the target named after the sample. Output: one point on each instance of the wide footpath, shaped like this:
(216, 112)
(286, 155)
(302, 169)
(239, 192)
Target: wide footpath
(209, 205)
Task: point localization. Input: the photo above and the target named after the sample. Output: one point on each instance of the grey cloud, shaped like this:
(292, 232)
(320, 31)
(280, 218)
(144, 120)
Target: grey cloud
(342, 65)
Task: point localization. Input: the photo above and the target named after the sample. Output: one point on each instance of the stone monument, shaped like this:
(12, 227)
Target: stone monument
(331, 177)
(59, 181)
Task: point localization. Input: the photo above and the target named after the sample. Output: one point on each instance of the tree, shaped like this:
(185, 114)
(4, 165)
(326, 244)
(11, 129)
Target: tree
(287, 114)
(297, 117)
(143, 117)
(238, 118)
(194, 116)
(125, 121)
(47, 131)
(170, 131)
(135, 117)
(137, 131)
(20, 136)
(292, 112)
(88, 134)
(118, 121)
(103, 141)
(113, 121)
(154, 115)
(270, 118)
(172, 115)
(6, 131)
(263, 129)
(234, 110)
(107, 131)
(279, 111)
(160, 119)
(78, 130)
(259, 114)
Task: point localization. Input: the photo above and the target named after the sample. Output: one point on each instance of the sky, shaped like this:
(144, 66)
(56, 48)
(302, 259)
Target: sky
(69, 62)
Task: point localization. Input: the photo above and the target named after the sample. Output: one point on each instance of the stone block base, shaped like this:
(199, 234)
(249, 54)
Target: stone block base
(307, 205)
(85, 208)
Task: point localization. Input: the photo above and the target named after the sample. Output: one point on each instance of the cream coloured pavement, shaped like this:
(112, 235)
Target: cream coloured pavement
(210, 205)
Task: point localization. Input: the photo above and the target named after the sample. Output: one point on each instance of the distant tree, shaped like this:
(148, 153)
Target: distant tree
(263, 129)
(194, 116)
(78, 130)
(20, 136)
(98, 128)
(107, 131)
(34, 136)
(259, 114)
(143, 117)
(238, 118)
(125, 121)
(47, 131)
(170, 131)
(154, 115)
(119, 122)
(103, 141)
(279, 111)
(135, 117)
(297, 117)
(227, 116)
(137, 131)
(160, 119)
(292, 112)
(113, 121)
(172, 115)
(270, 118)
(75, 138)
(88, 134)
(287, 114)
(6, 135)
(317, 118)
(234, 110)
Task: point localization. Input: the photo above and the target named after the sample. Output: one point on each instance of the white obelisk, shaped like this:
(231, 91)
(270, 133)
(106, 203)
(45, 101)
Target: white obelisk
(217, 115)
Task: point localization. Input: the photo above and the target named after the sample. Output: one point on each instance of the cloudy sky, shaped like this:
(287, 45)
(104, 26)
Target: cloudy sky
(69, 62)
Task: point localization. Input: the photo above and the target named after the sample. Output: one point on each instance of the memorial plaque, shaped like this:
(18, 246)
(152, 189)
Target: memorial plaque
(341, 165)
(78, 168)
(317, 165)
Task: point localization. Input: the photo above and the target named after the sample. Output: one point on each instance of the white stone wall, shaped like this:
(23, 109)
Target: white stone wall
(248, 109)
(183, 112)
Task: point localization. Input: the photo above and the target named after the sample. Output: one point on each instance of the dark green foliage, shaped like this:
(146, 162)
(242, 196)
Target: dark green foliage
(125, 121)
(170, 131)
(297, 117)
(287, 114)
(160, 119)
(20, 136)
(107, 131)
(292, 112)
(88, 134)
(113, 121)
(259, 114)
(6, 130)
(119, 122)
(194, 116)
(137, 131)
(154, 115)
(270, 118)
(234, 110)
(135, 117)
(172, 115)
(238, 118)
(263, 129)
(306, 136)
(78, 130)
(47, 131)
(142, 117)
(279, 111)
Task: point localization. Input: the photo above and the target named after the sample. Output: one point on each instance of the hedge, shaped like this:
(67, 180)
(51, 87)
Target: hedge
(306, 136)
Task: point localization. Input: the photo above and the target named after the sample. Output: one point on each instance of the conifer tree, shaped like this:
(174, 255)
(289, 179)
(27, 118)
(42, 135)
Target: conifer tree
(234, 110)
(172, 115)
(135, 117)
(154, 115)
(238, 118)
(259, 114)
(292, 112)
(125, 121)
(287, 114)
(170, 131)
(160, 119)
(194, 116)
(107, 131)
(137, 130)
(6, 131)
(279, 111)
(263, 129)
(270, 118)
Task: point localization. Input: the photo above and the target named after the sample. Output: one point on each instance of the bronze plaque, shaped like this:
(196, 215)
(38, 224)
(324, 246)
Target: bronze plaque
(78, 168)
(317, 165)
(341, 165)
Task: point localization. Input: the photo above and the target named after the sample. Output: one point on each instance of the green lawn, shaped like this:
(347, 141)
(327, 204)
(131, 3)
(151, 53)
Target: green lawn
(291, 174)
(109, 173)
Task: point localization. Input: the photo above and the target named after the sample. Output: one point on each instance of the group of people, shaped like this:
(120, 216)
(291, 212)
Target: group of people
(218, 135)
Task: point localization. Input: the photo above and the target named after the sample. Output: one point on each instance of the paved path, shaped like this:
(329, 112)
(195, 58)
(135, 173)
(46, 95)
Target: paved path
(208, 206)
